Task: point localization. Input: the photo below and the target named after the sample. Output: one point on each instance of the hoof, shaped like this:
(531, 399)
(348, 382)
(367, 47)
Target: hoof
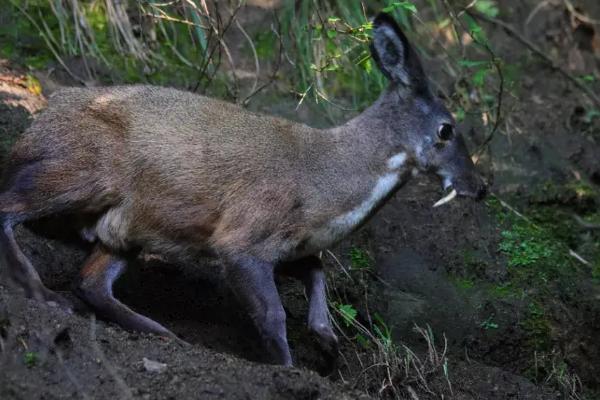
(327, 340)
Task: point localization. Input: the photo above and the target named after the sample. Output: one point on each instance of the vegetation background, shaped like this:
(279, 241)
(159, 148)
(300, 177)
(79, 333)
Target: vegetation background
(494, 300)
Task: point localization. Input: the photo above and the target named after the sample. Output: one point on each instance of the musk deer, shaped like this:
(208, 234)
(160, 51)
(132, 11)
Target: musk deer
(175, 173)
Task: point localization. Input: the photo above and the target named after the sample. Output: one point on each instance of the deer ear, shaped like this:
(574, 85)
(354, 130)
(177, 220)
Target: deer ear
(393, 53)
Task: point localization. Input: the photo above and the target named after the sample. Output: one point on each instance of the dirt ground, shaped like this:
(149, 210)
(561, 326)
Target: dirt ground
(47, 354)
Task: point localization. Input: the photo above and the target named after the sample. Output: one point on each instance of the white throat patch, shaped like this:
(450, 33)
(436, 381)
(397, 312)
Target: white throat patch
(343, 224)
(396, 161)
(384, 186)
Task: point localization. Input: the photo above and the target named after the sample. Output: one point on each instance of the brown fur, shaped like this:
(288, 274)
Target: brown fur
(95, 265)
(174, 171)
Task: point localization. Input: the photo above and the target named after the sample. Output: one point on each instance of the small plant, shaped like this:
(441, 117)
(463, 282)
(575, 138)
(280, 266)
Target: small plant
(30, 359)
(383, 332)
(348, 314)
(464, 283)
(489, 323)
(538, 327)
(591, 115)
(396, 367)
(569, 383)
(360, 259)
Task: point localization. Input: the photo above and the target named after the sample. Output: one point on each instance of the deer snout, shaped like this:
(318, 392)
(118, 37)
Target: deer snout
(473, 187)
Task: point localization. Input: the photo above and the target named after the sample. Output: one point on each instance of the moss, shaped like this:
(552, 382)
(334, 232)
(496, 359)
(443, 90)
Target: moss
(577, 194)
(539, 269)
(537, 248)
(505, 290)
(464, 284)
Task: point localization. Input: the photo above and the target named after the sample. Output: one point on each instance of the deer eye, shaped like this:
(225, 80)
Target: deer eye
(445, 132)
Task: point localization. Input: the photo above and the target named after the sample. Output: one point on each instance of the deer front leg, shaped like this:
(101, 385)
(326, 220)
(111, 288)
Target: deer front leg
(310, 271)
(252, 281)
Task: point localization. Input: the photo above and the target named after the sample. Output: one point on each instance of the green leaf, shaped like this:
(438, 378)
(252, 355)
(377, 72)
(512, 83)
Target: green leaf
(479, 77)
(404, 5)
(475, 30)
(348, 313)
(591, 115)
(588, 78)
(363, 341)
(459, 115)
(487, 7)
(333, 20)
(367, 66)
(331, 33)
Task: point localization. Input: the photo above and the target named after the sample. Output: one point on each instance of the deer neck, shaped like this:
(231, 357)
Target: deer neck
(368, 143)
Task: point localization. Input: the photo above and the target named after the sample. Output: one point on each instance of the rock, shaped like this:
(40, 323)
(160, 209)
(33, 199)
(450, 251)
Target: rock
(154, 366)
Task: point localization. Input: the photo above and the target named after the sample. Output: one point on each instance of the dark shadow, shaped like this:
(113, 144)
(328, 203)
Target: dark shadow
(13, 121)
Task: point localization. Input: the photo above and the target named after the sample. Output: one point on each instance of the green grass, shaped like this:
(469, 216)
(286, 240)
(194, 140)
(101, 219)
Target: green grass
(22, 40)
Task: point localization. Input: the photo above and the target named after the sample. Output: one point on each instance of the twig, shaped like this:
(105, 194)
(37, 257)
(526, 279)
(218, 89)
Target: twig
(337, 261)
(167, 17)
(277, 66)
(220, 33)
(578, 257)
(584, 224)
(536, 50)
(579, 15)
(254, 54)
(533, 13)
(496, 61)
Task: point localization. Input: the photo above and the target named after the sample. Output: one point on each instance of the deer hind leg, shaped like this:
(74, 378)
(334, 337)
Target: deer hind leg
(20, 270)
(95, 287)
(15, 208)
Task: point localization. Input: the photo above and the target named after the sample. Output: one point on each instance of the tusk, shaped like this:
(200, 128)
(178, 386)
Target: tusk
(446, 198)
